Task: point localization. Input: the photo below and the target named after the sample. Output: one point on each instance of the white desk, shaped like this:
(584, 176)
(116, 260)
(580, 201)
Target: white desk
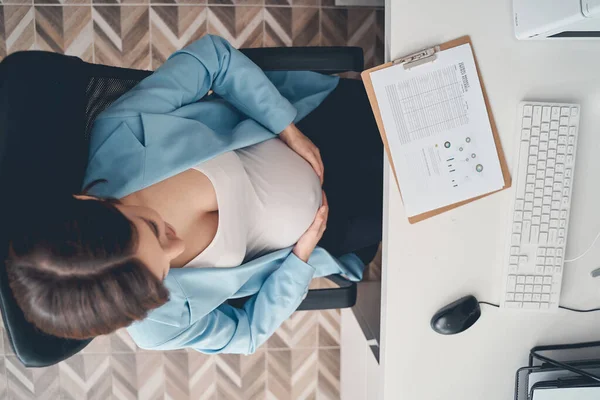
(432, 263)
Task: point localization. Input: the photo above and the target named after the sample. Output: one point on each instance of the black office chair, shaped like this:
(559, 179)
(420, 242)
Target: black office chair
(48, 103)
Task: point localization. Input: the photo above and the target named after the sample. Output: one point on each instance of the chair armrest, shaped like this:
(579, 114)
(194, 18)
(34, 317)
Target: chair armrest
(326, 60)
(326, 299)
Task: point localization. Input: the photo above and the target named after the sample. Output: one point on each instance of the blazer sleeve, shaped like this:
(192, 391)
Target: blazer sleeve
(208, 63)
(241, 331)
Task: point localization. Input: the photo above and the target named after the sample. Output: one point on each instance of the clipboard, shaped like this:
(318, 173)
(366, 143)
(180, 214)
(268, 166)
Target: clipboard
(413, 61)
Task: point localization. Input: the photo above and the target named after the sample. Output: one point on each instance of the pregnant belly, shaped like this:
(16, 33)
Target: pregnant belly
(287, 193)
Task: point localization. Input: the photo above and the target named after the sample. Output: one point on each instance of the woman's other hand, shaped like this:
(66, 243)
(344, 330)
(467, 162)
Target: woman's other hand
(297, 141)
(308, 241)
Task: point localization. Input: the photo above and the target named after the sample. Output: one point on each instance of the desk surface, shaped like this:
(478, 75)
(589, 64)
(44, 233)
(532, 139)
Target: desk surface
(434, 262)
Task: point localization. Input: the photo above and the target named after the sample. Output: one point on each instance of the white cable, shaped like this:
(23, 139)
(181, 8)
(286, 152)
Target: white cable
(585, 252)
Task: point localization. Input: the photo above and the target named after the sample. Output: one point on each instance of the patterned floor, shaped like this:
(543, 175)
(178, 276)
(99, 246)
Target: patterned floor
(133, 33)
(301, 361)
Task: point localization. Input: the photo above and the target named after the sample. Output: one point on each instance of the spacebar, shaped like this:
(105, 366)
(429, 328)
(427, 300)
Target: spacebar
(522, 165)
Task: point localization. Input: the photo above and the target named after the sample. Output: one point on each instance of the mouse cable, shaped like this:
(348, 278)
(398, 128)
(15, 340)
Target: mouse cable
(563, 307)
(585, 252)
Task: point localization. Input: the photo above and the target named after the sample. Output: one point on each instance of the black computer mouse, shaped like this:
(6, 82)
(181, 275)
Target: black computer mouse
(456, 317)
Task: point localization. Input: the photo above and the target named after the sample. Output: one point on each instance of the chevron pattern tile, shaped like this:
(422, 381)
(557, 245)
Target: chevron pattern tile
(241, 26)
(299, 331)
(23, 383)
(241, 377)
(17, 28)
(66, 30)
(202, 371)
(329, 328)
(86, 377)
(292, 26)
(174, 27)
(292, 374)
(121, 36)
(328, 383)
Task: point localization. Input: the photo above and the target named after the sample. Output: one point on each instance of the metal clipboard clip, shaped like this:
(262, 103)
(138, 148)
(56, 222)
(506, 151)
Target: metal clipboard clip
(419, 58)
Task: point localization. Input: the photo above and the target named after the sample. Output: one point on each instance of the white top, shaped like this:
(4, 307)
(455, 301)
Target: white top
(268, 197)
(434, 262)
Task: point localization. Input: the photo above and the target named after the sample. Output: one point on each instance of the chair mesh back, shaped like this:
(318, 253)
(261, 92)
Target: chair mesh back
(100, 93)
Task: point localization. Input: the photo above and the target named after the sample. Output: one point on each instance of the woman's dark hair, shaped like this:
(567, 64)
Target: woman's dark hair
(73, 270)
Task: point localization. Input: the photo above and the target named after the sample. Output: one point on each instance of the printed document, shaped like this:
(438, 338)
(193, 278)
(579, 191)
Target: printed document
(438, 131)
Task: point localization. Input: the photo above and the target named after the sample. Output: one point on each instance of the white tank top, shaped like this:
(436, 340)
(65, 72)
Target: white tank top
(268, 197)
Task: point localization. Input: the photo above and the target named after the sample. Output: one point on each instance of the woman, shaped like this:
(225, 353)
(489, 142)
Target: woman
(224, 184)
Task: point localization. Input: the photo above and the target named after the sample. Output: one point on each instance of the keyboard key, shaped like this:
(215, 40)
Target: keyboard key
(512, 304)
(526, 123)
(549, 261)
(531, 306)
(518, 216)
(513, 260)
(525, 134)
(541, 251)
(547, 280)
(553, 223)
(535, 141)
(553, 125)
(535, 132)
(565, 111)
(542, 155)
(564, 120)
(552, 144)
(551, 153)
(543, 146)
(565, 204)
(527, 297)
(537, 115)
(510, 283)
(547, 200)
(556, 204)
(528, 206)
(538, 281)
(561, 233)
(519, 296)
(562, 139)
(546, 289)
(572, 131)
(527, 216)
(514, 251)
(527, 111)
(534, 235)
(536, 220)
(523, 260)
(521, 279)
(529, 281)
(568, 172)
(544, 306)
(540, 260)
(554, 214)
(520, 288)
(562, 223)
(559, 252)
(571, 140)
(555, 114)
(561, 149)
(539, 269)
(548, 270)
(569, 160)
(510, 296)
(546, 114)
(574, 112)
(515, 238)
(563, 131)
(536, 297)
(552, 236)
(558, 270)
(545, 297)
(546, 209)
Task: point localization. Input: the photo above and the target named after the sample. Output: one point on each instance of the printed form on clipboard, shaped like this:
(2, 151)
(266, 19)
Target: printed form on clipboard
(438, 131)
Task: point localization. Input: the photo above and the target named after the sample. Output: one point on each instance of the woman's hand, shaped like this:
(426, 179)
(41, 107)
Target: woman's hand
(308, 241)
(306, 149)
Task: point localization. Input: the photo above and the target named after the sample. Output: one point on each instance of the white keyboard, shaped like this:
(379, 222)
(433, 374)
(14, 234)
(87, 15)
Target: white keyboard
(539, 215)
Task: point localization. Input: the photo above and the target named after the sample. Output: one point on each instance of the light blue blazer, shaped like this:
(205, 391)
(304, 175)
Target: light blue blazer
(167, 124)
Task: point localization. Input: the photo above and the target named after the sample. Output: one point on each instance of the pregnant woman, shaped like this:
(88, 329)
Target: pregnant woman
(202, 187)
